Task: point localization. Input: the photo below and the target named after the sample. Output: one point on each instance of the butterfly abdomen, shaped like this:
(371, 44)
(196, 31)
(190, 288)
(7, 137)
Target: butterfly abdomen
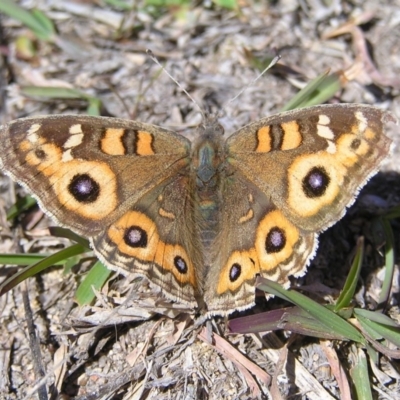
(207, 160)
(208, 211)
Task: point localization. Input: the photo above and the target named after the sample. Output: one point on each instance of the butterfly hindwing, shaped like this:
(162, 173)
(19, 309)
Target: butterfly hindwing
(255, 239)
(157, 237)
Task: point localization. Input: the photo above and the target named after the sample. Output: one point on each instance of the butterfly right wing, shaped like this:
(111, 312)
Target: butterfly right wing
(123, 184)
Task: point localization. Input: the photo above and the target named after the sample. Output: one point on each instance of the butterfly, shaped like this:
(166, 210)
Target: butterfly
(200, 220)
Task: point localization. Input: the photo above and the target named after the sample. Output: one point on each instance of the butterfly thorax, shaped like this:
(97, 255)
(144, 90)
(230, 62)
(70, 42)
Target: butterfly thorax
(207, 166)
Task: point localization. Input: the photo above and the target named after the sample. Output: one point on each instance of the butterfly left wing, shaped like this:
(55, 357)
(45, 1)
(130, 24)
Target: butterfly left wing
(288, 177)
(312, 162)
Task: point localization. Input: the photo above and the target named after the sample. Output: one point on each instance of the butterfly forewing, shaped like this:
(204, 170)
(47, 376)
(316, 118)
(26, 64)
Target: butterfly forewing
(87, 171)
(312, 161)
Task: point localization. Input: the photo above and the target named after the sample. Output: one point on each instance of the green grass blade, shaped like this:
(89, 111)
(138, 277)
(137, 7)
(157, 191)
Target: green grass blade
(53, 92)
(389, 264)
(21, 205)
(377, 317)
(120, 4)
(319, 90)
(94, 106)
(95, 278)
(34, 269)
(326, 317)
(36, 21)
(360, 375)
(229, 4)
(350, 286)
(44, 22)
(378, 331)
(70, 263)
(393, 213)
(23, 259)
(68, 234)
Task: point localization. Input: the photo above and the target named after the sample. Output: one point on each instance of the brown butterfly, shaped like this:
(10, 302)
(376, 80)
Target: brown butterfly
(200, 220)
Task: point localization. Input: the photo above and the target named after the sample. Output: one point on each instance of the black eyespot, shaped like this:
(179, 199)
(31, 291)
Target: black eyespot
(135, 237)
(180, 265)
(84, 188)
(235, 272)
(355, 144)
(275, 240)
(316, 182)
(39, 153)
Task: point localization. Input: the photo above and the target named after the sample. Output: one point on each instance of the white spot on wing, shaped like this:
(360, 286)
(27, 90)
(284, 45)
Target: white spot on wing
(73, 141)
(325, 132)
(77, 128)
(331, 149)
(324, 120)
(67, 156)
(32, 135)
(362, 121)
(323, 129)
(76, 137)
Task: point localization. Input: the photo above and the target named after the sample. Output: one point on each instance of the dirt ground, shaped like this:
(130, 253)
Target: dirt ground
(131, 344)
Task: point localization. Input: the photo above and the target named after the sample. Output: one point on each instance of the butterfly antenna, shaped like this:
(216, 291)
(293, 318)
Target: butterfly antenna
(154, 58)
(270, 65)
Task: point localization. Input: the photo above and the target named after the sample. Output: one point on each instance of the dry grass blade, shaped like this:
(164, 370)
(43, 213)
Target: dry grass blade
(61, 357)
(305, 382)
(226, 349)
(39, 368)
(361, 50)
(279, 370)
(142, 350)
(337, 370)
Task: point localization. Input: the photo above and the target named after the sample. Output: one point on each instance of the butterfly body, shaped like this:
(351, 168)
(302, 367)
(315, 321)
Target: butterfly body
(200, 220)
(208, 169)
